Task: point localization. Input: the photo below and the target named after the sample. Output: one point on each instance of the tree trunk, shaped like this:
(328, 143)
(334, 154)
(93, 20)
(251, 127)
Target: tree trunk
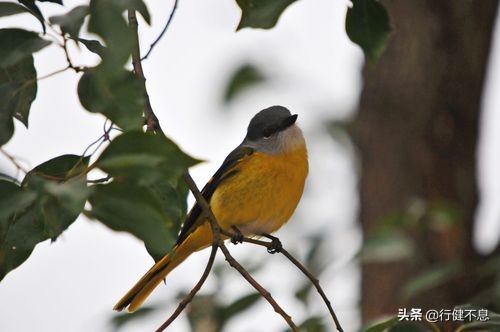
(417, 131)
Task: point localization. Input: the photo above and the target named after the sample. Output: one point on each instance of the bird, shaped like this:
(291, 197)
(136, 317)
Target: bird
(254, 192)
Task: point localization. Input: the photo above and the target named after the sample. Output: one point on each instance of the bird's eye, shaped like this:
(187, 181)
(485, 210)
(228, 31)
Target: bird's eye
(267, 134)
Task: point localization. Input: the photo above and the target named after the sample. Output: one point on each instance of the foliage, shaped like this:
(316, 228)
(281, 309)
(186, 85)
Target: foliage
(142, 191)
(367, 24)
(144, 194)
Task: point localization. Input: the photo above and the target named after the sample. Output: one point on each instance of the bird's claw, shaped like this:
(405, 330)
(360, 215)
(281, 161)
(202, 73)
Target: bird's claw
(237, 236)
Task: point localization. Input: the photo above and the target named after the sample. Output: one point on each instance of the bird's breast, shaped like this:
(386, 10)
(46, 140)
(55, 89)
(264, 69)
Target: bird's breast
(263, 193)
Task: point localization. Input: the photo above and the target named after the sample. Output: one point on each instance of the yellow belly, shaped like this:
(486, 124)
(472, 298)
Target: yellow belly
(263, 194)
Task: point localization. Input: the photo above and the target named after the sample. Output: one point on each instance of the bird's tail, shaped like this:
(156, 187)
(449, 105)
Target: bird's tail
(143, 288)
(199, 239)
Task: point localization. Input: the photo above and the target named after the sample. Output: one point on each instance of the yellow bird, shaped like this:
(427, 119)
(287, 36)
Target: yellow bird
(255, 191)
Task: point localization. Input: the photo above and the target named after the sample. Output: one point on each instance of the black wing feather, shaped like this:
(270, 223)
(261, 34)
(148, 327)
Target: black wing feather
(223, 173)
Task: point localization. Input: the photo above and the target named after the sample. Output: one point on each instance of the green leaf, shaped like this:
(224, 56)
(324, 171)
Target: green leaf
(313, 324)
(118, 95)
(10, 8)
(25, 231)
(60, 168)
(119, 320)
(243, 78)
(138, 5)
(18, 87)
(134, 209)
(411, 327)
(93, 46)
(367, 24)
(262, 14)
(72, 21)
(35, 11)
(42, 208)
(237, 307)
(61, 187)
(17, 44)
(382, 326)
(144, 158)
(106, 20)
(431, 278)
(12, 199)
(388, 246)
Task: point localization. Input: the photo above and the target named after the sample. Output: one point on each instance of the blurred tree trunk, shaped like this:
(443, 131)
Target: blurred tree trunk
(417, 131)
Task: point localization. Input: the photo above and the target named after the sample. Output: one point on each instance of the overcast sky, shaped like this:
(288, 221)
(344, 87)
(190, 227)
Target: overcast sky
(313, 69)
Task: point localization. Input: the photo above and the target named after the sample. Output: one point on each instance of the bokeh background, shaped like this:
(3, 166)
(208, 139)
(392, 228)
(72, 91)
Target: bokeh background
(307, 64)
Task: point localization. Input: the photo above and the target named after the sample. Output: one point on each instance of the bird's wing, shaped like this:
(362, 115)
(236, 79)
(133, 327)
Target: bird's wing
(224, 172)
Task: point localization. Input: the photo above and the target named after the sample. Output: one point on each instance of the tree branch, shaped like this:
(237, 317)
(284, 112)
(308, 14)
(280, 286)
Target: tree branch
(302, 268)
(152, 122)
(13, 161)
(220, 243)
(160, 36)
(182, 305)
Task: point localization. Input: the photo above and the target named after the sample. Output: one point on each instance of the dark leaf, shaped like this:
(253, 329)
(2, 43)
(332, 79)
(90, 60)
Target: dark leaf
(72, 21)
(412, 327)
(313, 324)
(388, 246)
(12, 200)
(431, 278)
(302, 293)
(134, 209)
(42, 208)
(35, 11)
(18, 87)
(120, 320)
(60, 168)
(106, 20)
(262, 14)
(10, 8)
(237, 307)
(25, 231)
(382, 326)
(144, 158)
(367, 24)
(61, 187)
(243, 78)
(17, 44)
(59, 2)
(118, 95)
(93, 46)
(138, 5)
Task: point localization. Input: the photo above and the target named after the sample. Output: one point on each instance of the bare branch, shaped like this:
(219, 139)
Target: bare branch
(13, 160)
(217, 236)
(302, 268)
(182, 305)
(152, 122)
(160, 36)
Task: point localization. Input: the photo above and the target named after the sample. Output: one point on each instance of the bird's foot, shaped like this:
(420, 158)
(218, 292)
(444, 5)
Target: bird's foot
(275, 245)
(237, 235)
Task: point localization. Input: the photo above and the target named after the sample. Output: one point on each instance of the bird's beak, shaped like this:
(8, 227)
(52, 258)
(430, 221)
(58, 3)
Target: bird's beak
(289, 121)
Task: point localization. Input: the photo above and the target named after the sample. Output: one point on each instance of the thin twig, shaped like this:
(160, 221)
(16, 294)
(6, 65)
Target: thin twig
(182, 305)
(152, 122)
(160, 36)
(217, 232)
(39, 78)
(230, 259)
(302, 268)
(66, 53)
(13, 161)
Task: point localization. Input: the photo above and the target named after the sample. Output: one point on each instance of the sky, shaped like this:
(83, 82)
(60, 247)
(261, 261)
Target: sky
(312, 68)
